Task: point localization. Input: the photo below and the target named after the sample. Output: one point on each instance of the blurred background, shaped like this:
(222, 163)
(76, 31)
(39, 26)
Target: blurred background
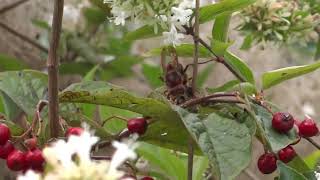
(89, 41)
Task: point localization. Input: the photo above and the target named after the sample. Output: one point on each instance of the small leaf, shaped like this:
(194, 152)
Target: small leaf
(143, 32)
(94, 15)
(312, 159)
(240, 67)
(275, 77)
(184, 50)
(247, 42)
(220, 47)
(204, 75)
(91, 74)
(220, 27)
(276, 140)
(228, 85)
(41, 23)
(152, 74)
(287, 173)
(299, 164)
(209, 12)
(8, 63)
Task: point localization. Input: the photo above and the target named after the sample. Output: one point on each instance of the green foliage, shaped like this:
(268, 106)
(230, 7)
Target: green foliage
(143, 32)
(152, 74)
(184, 50)
(287, 173)
(275, 77)
(220, 28)
(8, 63)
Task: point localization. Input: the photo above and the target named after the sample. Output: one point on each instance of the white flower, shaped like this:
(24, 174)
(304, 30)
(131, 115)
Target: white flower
(173, 37)
(317, 175)
(180, 16)
(161, 17)
(187, 4)
(29, 175)
(119, 16)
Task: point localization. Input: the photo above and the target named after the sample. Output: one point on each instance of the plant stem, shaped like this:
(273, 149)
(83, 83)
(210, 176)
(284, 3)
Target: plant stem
(196, 47)
(12, 6)
(205, 98)
(190, 159)
(315, 144)
(52, 65)
(23, 37)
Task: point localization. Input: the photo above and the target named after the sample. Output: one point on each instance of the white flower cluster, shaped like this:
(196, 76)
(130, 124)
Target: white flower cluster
(68, 160)
(170, 15)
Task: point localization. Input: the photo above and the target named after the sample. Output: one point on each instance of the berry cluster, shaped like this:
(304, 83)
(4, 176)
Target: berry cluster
(18, 160)
(282, 123)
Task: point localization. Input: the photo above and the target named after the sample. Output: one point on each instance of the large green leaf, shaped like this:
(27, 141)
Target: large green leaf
(143, 32)
(225, 141)
(8, 63)
(275, 77)
(184, 50)
(312, 159)
(25, 88)
(220, 28)
(276, 140)
(161, 132)
(12, 111)
(240, 67)
(209, 12)
(287, 173)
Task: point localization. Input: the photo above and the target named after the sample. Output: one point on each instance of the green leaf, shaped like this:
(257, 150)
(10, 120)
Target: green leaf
(209, 12)
(91, 74)
(8, 63)
(312, 159)
(94, 15)
(240, 67)
(152, 74)
(143, 32)
(247, 42)
(204, 75)
(299, 165)
(162, 132)
(81, 68)
(220, 28)
(228, 158)
(287, 173)
(184, 50)
(275, 77)
(234, 85)
(220, 47)
(25, 88)
(41, 24)
(276, 140)
(14, 129)
(101, 4)
(228, 85)
(12, 111)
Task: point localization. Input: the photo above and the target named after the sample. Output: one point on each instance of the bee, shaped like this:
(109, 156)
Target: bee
(176, 80)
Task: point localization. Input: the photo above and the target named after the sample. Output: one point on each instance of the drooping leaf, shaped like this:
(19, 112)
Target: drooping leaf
(162, 132)
(143, 32)
(228, 158)
(275, 77)
(240, 67)
(25, 88)
(209, 12)
(276, 140)
(8, 63)
(287, 173)
(152, 74)
(184, 50)
(220, 28)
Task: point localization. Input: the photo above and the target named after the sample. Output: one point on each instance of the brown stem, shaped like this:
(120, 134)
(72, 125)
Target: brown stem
(52, 65)
(23, 37)
(315, 144)
(205, 98)
(101, 158)
(232, 101)
(12, 6)
(196, 47)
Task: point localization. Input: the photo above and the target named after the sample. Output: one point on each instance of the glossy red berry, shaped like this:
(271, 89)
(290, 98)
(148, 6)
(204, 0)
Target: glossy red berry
(287, 154)
(16, 160)
(6, 149)
(77, 131)
(4, 134)
(282, 122)
(35, 159)
(308, 128)
(137, 125)
(31, 143)
(147, 178)
(267, 163)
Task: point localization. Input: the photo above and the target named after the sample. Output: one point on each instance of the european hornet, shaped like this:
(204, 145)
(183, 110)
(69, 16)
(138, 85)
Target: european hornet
(176, 80)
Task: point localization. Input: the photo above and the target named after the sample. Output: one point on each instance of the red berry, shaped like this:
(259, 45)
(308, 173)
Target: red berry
(267, 163)
(77, 131)
(4, 134)
(31, 143)
(6, 149)
(35, 159)
(287, 154)
(308, 128)
(147, 178)
(282, 122)
(16, 160)
(137, 125)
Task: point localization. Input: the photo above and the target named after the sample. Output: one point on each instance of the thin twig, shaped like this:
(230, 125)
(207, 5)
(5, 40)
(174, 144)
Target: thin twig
(205, 98)
(315, 144)
(101, 158)
(23, 37)
(196, 47)
(12, 6)
(52, 65)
